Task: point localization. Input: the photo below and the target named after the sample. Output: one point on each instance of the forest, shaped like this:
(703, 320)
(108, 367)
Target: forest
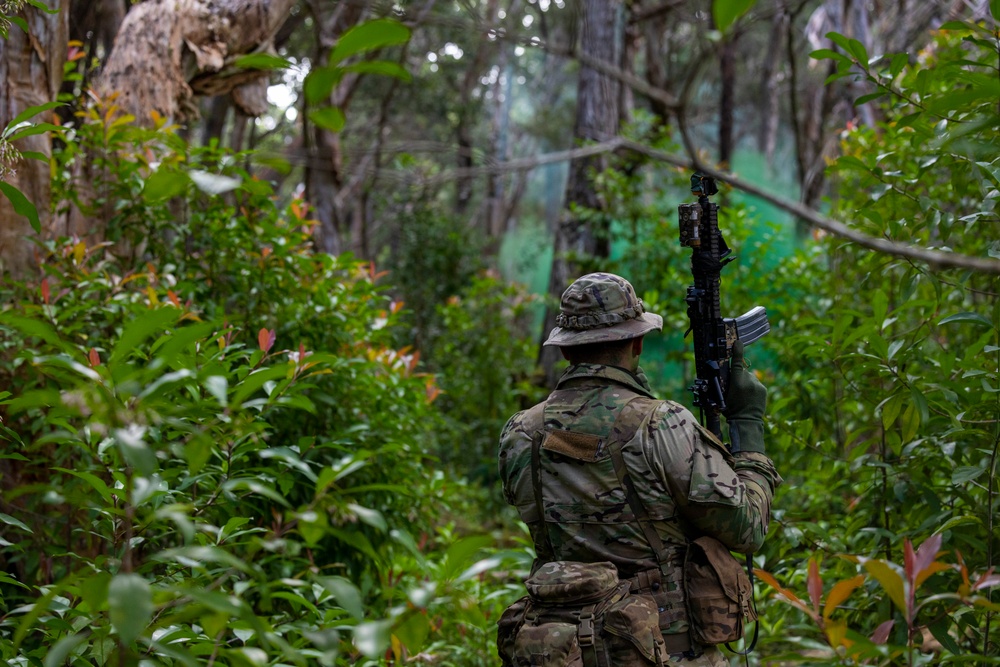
(274, 274)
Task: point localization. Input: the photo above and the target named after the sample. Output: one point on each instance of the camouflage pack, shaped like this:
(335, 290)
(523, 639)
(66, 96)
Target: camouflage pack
(580, 615)
(719, 593)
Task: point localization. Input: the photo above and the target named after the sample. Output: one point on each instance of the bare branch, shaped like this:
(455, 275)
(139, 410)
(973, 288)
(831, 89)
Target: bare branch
(936, 258)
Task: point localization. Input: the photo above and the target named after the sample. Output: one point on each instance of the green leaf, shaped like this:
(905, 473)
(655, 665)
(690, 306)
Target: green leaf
(346, 593)
(19, 22)
(32, 111)
(920, 401)
(58, 654)
(21, 205)
(139, 329)
(132, 444)
(165, 183)
(911, 422)
(367, 515)
(265, 61)
(725, 12)
(198, 451)
(879, 346)
(967, 519)
(372, 639)
(33, 130)
(38, 4)
(460, 554)
(39, 607)
(93, 480)
(941, 626)
(255, 486)
(413, 632)
(383, 67)
(880, 307)
(11, 521)
(130, 605)
(329, 118)
(899, 61)
(995, 9)
(828, 54)
(253, 382)
(319, 83)
(974, 318)
(218, 387)
(356, 540)
(369, 36)
(869, 97)
(966, 474)
(851, 46)
(890, 410)
(197, 556)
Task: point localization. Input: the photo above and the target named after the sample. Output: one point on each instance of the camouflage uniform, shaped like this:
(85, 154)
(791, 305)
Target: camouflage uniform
(688, 482)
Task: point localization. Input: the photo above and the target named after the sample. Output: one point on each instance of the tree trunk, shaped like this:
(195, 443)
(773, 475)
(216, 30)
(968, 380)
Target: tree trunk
(727, 72)
(597, 119)
(166, 52)
(768, 132)
(325, 177)
(31, 69)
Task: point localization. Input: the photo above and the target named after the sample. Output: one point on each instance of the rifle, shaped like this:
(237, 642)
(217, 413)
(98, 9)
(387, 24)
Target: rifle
(713, 334)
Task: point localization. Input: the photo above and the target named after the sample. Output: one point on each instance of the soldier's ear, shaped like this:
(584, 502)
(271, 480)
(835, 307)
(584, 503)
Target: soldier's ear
(637, 346)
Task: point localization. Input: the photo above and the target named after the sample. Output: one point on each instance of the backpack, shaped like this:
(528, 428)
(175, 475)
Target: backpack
(580, 615)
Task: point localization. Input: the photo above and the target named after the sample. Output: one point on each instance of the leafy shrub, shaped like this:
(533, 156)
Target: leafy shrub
(216, 453)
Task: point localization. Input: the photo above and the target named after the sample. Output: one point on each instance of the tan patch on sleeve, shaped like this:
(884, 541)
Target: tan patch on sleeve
(579, 446)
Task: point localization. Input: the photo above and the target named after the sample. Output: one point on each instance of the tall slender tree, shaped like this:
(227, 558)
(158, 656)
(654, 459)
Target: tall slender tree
(580, 235)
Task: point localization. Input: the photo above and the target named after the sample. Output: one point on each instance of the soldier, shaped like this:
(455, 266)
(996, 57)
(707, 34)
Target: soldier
(683, 479)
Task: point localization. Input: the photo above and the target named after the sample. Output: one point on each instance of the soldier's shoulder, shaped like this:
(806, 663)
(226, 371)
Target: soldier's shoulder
(523, 421)
(672, 415)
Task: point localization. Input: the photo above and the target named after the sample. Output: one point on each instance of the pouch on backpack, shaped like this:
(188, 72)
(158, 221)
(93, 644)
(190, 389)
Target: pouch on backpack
(507, 627)
(577, 615)
(633, 629)
(719, 593)
(548, 645)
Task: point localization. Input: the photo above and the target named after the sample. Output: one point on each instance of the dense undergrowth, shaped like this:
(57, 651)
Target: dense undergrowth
(222, 447)
(217, 448)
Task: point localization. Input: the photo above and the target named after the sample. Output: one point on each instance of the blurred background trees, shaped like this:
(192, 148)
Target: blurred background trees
(275, 275)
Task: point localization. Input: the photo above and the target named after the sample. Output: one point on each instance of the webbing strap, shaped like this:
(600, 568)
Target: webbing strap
(633, 499)
(536, 483)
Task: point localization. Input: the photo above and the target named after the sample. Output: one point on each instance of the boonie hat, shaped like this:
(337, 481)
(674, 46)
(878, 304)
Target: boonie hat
(600, 307)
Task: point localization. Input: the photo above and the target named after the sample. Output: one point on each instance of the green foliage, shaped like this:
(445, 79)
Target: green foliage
(214, 450)
(886, 400)
(18, 128)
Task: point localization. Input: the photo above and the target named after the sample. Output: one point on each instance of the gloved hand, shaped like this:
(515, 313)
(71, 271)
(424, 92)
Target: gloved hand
(746, 399)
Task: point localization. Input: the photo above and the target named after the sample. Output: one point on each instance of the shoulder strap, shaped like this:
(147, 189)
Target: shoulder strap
(627, 432)
(536, 484)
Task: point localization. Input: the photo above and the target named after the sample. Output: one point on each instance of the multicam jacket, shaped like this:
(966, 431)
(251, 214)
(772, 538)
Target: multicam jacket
(688, 482)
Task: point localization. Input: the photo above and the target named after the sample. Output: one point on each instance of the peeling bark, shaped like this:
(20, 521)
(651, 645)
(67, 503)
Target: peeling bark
(168, 51)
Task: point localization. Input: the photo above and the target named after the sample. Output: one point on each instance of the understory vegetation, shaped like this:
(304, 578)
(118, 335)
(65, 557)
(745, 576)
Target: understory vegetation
(222, 446)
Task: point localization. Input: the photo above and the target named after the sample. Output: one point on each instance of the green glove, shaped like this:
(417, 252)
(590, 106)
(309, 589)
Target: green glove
(746, 399)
